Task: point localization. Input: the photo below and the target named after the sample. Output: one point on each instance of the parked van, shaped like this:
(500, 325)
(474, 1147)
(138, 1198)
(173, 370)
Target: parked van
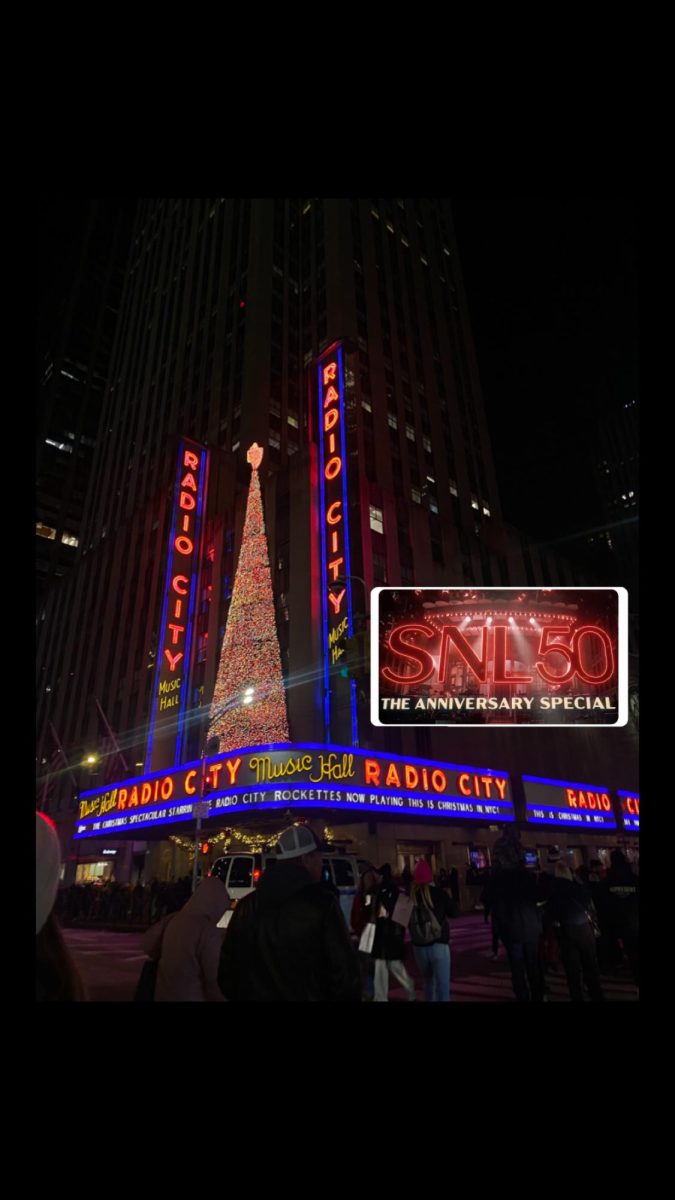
(241, 871)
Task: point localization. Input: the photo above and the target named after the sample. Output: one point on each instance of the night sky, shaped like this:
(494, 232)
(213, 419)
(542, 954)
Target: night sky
(552, 291)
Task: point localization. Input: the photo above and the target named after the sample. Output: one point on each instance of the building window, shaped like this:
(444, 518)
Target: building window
(416, 495)
(69, 539)
(474, 503)
(376, 519)
(45, 531)
(410, 433)
(486, 511)
(394, 423)
(379, 568)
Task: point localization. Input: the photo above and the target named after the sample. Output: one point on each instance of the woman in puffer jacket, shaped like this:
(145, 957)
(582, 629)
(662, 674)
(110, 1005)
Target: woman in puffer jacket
(188, 945)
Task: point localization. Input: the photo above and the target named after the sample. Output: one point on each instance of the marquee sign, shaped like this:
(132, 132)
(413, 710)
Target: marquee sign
(572, 805)
(302, 775)
(336, 597)
(170, 693)
(495, 656)
(630, 810)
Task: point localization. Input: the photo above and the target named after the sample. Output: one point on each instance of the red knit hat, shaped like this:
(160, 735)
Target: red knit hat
(423, 872)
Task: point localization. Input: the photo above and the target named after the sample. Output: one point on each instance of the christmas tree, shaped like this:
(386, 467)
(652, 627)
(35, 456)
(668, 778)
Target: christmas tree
(249, 700)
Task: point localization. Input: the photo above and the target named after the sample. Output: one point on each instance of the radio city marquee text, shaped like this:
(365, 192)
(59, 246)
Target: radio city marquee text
(558, 803)
(333, 534)
(243, 778)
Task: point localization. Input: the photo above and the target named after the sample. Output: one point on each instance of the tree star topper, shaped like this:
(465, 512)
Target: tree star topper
(254, 455)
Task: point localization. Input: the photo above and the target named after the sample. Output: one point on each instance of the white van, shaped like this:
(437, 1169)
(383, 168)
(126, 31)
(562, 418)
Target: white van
(240, 873)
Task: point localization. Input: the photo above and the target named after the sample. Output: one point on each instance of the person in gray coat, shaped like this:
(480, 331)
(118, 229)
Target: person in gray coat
(188, 944)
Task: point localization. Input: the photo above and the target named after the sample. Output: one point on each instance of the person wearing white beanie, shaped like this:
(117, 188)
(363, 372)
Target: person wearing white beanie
(56, 976)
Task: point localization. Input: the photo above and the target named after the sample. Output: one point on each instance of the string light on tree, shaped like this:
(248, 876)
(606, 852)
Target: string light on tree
(249, 699)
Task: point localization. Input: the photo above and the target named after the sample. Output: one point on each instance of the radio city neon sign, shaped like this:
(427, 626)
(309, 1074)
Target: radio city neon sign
(418, 664)
(335, 564)
(175, 636)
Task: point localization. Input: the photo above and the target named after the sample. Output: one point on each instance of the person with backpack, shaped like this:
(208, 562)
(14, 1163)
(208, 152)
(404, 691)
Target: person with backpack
(388, 944)
(430, 933)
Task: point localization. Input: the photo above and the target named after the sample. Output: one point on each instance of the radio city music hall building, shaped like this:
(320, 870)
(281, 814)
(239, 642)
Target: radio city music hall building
(333, 336)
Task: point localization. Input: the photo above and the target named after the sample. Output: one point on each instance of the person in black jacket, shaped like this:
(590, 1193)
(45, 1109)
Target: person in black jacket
(288, 940)
(432, 956)
(388, 946)
(514, 897)
(623, 909)
(570, 907)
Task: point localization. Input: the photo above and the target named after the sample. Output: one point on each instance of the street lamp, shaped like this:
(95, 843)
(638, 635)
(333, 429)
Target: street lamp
(211, 746)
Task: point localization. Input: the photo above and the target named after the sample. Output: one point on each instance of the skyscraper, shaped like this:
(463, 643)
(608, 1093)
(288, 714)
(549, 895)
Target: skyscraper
(229, 307)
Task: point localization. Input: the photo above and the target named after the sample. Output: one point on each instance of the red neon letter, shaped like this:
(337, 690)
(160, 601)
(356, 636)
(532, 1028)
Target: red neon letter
(466, 791)
(392, 779)
(608, 669)
(411, 654)
(189, 481)
(172, 661)
(571, 797)
(412, 777)
(329, 372)
(183, 545)
(501, 787)
(331, 397)
(176, 629)
(180, 579)
(188, 783)
(478, 666)
(335, 564)
(187, 501)
(190, 460)
(333, 468)
(371, 771)
(233, 767)
(329, 513)
(555, 648)
(330, 419)
(336, 601)
(438, 781)
(501, 675)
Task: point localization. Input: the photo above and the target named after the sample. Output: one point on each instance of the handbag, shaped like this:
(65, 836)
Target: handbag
(402, 910)
(367, 938)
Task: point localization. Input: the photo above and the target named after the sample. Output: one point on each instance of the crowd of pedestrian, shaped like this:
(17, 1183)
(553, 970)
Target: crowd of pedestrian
(122, 903)
(584, 921)
(287, 939)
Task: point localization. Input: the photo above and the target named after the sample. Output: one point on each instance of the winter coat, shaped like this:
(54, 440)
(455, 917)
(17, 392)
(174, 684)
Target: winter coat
(514, 898)
(389, 935)
(288, 940)
(622, 894)
(569, 903)
(188, 945)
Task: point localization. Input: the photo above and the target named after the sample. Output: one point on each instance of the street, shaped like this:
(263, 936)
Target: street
(110, 964)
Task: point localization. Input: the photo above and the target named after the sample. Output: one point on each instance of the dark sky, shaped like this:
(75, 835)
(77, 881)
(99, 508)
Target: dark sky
(552, 290)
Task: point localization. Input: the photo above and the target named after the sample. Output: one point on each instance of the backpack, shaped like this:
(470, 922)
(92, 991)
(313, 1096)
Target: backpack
(424, 927)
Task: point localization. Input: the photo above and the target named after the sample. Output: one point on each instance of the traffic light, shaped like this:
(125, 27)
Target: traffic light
(354, 664)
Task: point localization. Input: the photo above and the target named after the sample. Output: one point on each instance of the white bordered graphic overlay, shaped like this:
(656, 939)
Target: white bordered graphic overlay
(522, 657)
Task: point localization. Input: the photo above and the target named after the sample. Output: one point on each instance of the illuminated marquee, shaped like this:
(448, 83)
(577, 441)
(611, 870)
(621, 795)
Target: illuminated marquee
(573, 805)
(630, 810)
(170, 693)
(336, 598)
(304, 775)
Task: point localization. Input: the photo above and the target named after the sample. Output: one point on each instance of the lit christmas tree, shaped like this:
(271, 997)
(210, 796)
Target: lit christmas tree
(249, 700)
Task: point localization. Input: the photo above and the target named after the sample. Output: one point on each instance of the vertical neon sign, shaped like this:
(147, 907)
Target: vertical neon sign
(336, 598)
(170, 693)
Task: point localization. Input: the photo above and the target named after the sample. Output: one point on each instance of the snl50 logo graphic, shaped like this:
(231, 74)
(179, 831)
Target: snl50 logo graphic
(499, 656)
